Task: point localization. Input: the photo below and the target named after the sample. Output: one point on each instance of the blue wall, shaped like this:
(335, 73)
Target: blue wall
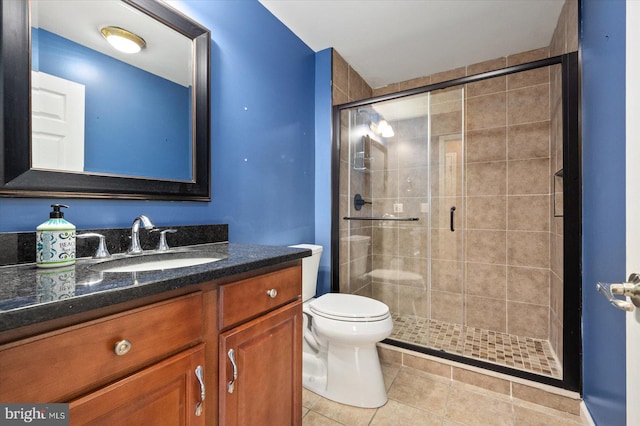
(116, 114)
(262, 138)
(323, 167)
(603, 145)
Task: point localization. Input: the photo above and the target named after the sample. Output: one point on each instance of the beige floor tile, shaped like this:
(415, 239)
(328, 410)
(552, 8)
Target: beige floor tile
(314, 419)
(419, 392)
(394, 413)
(481, 390)
(539, 396)
(473, 408)
(449, 422)
(345, 414)
(524, 410)
(389, 373)
(309, 398)
(434, 370)
(528, 417)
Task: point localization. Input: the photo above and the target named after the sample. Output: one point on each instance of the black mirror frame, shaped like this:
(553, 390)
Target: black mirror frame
(17, 179)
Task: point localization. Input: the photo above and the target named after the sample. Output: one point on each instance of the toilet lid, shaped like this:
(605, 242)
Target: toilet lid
(349, 307)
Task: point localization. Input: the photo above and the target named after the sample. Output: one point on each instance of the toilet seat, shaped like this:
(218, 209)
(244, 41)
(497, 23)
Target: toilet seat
(349, 307)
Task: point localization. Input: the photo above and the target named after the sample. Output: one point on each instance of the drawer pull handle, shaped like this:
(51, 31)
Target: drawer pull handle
(200, 404)
(122, 347)
(232, 383)
(272, 293)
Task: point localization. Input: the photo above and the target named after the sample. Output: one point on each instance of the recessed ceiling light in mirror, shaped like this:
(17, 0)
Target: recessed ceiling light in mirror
(123, 40)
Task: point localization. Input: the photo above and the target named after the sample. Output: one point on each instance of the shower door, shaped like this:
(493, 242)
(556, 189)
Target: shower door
(446, 221)
(402, 209)
(453, 205)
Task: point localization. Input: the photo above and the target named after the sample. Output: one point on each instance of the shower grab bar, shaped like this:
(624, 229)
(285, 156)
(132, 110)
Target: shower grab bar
(397, 219)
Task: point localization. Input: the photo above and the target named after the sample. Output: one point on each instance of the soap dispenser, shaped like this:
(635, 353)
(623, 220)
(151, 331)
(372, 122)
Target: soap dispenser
(55, 241)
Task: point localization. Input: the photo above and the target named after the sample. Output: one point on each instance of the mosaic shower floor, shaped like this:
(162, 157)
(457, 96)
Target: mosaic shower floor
(523, 353)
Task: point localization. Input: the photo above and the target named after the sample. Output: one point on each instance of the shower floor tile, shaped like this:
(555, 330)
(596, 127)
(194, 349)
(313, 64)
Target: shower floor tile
(523, 353)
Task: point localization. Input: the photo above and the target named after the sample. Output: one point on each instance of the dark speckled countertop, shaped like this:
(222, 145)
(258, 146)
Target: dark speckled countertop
(29, 295)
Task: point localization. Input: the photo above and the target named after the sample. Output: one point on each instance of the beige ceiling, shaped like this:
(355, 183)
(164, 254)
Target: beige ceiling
(388, 41)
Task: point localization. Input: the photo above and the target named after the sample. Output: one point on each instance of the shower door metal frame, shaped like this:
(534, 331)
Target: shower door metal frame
(572, 192)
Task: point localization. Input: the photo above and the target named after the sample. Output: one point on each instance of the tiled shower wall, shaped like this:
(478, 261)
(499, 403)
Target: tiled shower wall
(349, 86)
(513, 246)
(507, 189)
(565, 39)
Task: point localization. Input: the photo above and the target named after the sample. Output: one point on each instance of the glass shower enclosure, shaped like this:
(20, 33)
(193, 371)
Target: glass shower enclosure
(449, 209)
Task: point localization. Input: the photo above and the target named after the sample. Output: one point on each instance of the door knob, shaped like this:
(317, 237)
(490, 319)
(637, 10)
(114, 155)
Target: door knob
(630, 289)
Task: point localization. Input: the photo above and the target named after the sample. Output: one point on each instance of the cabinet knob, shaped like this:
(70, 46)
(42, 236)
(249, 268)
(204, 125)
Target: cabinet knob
(272, 293)
(122, 347)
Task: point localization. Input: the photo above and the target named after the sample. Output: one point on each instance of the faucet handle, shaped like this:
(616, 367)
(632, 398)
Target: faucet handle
(102, 251)
(162, 244)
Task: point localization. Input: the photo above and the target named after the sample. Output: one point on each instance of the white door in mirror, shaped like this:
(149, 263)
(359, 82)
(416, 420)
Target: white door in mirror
(57, 123)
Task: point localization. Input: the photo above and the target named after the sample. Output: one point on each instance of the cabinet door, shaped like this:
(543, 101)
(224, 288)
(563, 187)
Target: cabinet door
(166, 393)
(267, 353)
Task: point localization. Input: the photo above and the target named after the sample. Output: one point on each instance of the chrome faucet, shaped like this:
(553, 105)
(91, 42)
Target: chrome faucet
(135, 228)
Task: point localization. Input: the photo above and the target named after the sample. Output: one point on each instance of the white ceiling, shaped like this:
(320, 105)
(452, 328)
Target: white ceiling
(388, 41)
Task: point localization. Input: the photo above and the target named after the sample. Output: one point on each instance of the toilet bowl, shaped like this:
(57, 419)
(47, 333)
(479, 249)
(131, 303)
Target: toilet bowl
(340, 360)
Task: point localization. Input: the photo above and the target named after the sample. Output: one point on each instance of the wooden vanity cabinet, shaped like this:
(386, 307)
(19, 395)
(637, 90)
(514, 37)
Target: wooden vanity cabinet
(139, 366)
(120, 369)
(261, 352)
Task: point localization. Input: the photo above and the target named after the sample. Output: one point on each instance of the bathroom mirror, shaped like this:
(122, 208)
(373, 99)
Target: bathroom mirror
(160, 150)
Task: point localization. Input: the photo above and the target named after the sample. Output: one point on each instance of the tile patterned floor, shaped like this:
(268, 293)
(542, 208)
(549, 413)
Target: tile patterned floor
(523, 353)
(417, 398)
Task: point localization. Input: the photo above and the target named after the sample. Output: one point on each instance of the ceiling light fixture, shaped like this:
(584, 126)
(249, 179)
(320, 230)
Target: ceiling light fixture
(382, 128)
(123, 40)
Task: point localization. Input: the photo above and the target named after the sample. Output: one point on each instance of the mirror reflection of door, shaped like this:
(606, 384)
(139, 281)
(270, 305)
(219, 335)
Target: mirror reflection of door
(57, 126)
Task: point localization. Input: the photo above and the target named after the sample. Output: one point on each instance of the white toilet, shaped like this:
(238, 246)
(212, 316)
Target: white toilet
(339, 359)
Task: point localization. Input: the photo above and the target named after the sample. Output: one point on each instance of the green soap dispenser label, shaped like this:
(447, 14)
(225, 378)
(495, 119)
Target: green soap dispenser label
(55, 241)
(55, 248)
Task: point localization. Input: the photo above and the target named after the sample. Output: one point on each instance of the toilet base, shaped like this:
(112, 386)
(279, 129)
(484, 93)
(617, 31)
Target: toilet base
(346, 374)
(314, 373)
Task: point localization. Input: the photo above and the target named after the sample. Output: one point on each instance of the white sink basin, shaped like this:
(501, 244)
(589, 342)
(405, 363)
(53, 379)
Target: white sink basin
(154, 262)
(161, 264)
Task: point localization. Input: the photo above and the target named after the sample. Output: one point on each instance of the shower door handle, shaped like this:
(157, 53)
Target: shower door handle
(451, 218)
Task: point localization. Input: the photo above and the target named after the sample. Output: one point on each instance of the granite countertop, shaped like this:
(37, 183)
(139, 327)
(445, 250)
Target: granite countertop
(29, 295)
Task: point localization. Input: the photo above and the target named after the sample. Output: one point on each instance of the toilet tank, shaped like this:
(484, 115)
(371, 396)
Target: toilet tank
(310, 266)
